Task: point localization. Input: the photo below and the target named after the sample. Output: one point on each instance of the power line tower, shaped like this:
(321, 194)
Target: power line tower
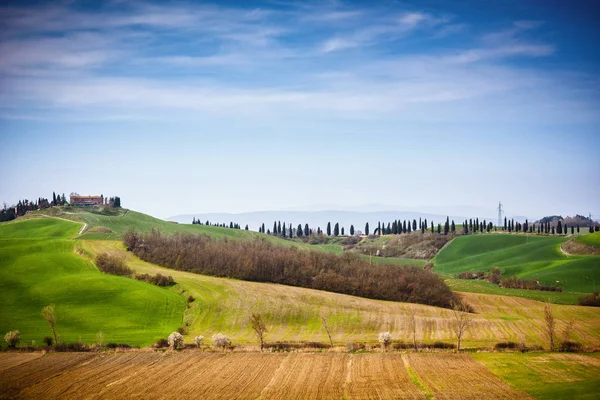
(500, 212)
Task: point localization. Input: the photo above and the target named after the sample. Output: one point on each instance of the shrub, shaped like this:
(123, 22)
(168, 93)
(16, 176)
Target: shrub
(182, 331)
(113, 265)
(158, 279)
(12, 339)
(571, 347)
(190, 299)
(506, 346)
(48, 341)
(529, 284)
(71, 347)
(175, 340)
(443, 345)
(592, 300)
(161, 343)
(198, 340)
(221, 340)
(402, 346)
(352, 346)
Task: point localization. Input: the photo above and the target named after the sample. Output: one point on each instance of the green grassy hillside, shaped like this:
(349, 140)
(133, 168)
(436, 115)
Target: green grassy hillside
(38, 266)
(524, 256)
(592, 239)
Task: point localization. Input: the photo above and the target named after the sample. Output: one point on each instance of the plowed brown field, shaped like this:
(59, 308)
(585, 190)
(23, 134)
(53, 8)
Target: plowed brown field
(198, 375)
(457, 376)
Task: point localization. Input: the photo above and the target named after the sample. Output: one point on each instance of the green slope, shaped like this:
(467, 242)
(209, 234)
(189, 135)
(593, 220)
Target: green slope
(524, 256)
(592, 239)
(38, 266)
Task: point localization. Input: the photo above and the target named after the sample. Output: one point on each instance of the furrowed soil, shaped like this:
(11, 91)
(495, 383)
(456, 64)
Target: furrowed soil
(215, 375)
(457, 376)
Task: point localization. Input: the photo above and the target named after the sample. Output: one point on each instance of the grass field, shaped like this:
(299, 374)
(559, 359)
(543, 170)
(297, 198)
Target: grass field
(524, 256)
(38, 266)
(208, 375)
(592, 239)
(292, 314)
(547, 376)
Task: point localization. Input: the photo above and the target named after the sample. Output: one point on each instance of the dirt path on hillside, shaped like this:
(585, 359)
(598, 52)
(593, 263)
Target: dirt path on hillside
(68, 220)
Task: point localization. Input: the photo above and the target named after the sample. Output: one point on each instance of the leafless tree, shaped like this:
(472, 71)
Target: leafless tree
(461, 321)
(550, 324)
(324, 322)
(49, 314)
(259, 327)
(412, 324)
(566, 335)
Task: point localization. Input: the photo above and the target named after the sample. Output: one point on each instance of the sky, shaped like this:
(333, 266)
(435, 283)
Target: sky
(194, 107)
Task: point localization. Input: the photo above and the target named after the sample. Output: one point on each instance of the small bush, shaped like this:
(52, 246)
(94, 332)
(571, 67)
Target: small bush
(48, 341)
(221, 340)
(158, 279)
(352, 346)
(385, 338)
(198, 340)
(443, 345)
(71, 347)
(190, 299)
(571, 347)
(592, 300)
(161, 343)
(12, 339)
(113, 265)
(506, 346)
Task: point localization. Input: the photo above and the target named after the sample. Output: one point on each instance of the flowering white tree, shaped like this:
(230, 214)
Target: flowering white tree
(221, 340)
(175, 340)
(12, 338)
(198, 340)
(385, 338)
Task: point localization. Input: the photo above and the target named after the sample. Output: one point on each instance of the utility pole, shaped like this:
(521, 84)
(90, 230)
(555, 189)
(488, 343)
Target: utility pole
(500, 212)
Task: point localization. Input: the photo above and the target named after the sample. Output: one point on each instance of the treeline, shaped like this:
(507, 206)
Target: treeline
(115, 265)
(261, 261)
(494, 276)
(231, 225)
(8, 213)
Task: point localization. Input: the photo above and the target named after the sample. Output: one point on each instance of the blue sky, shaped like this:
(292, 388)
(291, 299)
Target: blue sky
(186, 107)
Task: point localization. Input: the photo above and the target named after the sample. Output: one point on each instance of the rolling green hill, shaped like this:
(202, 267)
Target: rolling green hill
(592, 239)
(524, 256)
(38, 266)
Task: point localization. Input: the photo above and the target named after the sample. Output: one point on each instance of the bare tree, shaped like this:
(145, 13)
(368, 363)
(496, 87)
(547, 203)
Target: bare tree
(324, 319)
(461, 321)
(49, 315)
(100, 338)
(259, 327)
(412, 324)
(550, 324)
(566, 335)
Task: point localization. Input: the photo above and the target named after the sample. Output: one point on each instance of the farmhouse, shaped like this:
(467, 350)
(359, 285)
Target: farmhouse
(84, 201)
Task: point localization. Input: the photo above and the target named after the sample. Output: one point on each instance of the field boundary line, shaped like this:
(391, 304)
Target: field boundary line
(415, 378)
(348, 380)
(271, 383)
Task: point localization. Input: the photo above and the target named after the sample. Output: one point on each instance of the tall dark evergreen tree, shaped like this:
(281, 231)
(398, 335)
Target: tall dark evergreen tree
(367, 229)
(559, 227)
(453, 227)
(283, 233)
(414, 225)
(299, 232)
(263, 227)
(329, 229)
(439, 229)
(572, 230)
(274, 228)
(447, 226)
(389, 229)
(336, 229)
(431, 226)
(343, 231)
(351, 230)
(306, 230)
(404, 226)
(279, 228)
(54, 198)
(505, 226)
(379, 228)
(409, 227)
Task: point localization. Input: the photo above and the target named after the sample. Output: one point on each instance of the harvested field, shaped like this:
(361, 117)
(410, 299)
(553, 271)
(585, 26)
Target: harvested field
(207, 375)
(458, 376)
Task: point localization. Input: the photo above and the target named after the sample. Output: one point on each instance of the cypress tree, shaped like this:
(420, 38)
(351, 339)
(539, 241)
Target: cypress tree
(559, 227)
(283, 233)
(577, 228)
(389, 229)
(404, 226)
(453, 227)
(274, 228)
(299, 232)
(414, 225)
(572, 230)
(351, 230)
(409, 227)
(379, 228)
(336, 229)
(329, 229)
(246, 227)
(431, 226)
(342, 231)
(367, 229)
(279, 227)
(395, 227)
(505, 227)
(291, 231)
(263, 227)
(439, 229)
(53, 198)
(553, 230)
(306, 230)
(447, 226)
